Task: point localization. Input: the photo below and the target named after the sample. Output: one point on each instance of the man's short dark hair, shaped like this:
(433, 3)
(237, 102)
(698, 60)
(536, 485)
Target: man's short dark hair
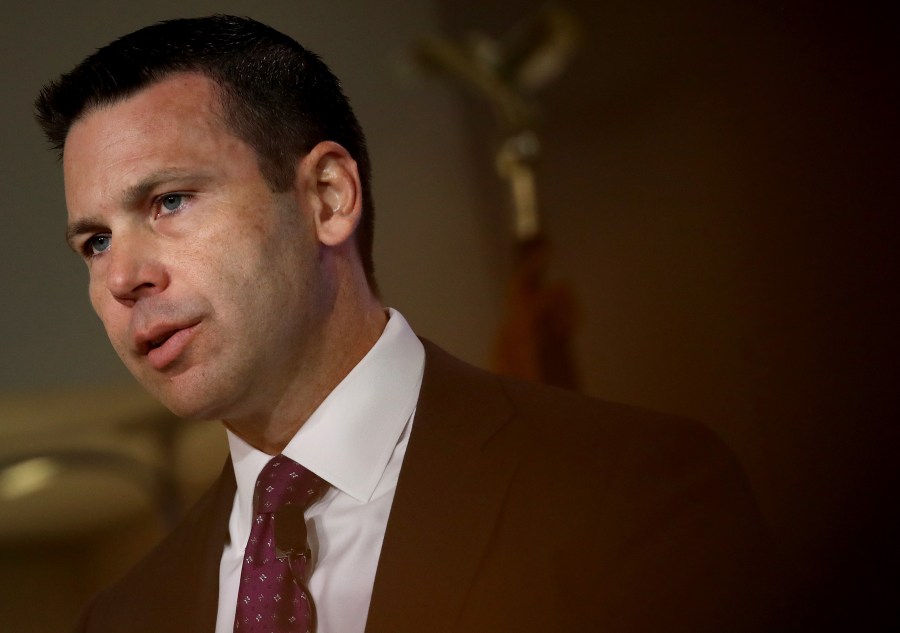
(278, 97)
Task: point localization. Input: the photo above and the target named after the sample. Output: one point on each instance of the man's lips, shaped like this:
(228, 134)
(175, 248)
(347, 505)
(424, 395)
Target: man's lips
(163, 344)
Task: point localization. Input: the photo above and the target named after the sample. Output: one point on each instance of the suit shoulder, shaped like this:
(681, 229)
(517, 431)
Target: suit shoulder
(559, 420)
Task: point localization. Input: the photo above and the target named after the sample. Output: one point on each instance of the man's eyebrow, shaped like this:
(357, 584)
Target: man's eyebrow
(132, 196)
(137, 192)
(82, 226)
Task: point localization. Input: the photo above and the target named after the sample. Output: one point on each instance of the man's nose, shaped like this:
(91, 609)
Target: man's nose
(134, 270)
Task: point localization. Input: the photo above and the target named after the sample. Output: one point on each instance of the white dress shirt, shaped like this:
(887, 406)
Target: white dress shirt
(355, 441)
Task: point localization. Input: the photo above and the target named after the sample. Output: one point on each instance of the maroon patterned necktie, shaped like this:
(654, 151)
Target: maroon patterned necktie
(272, 597)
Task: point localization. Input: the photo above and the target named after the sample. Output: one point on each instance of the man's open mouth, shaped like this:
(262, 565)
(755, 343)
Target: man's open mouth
(159, 341)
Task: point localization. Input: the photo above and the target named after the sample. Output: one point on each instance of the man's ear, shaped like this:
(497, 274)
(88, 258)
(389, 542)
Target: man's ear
(328, 181)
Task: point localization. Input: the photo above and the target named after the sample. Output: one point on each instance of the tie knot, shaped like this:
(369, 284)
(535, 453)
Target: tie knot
(285, 482)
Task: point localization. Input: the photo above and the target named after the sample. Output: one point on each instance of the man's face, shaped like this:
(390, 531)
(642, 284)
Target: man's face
(209, 284)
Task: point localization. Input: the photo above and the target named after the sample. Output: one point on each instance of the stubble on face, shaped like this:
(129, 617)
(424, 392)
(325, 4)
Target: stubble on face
(240, 260)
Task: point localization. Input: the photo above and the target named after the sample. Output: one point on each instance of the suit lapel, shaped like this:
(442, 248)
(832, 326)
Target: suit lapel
(175, 589)
(455, 473)
(197, 550)
(214, 525)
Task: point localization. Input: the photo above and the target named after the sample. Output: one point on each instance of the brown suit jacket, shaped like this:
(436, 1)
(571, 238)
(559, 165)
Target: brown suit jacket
(519, 508)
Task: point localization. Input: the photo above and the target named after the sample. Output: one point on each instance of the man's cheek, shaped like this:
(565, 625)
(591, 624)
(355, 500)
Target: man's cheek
(95, 295)
(116, 330)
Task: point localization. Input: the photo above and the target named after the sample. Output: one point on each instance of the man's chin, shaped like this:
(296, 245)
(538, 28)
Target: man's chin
(187, 402)
(190, 411)
(178, 391)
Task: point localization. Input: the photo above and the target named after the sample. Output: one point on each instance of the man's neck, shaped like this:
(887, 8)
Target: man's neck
(350, 339)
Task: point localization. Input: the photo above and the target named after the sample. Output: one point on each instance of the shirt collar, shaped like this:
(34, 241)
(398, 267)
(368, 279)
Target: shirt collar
(349, 438)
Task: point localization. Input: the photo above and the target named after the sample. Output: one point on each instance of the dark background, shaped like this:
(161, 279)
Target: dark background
(719, 180)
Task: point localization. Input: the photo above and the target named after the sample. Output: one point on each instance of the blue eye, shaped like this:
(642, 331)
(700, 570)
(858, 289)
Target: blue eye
(98, 243)
(172, 201)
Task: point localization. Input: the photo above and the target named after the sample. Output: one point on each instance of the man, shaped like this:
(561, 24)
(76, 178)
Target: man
(218, 189)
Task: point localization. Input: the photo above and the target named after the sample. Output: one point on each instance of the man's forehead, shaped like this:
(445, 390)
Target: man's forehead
(171, 125)
(181, 93)
(189, 101)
